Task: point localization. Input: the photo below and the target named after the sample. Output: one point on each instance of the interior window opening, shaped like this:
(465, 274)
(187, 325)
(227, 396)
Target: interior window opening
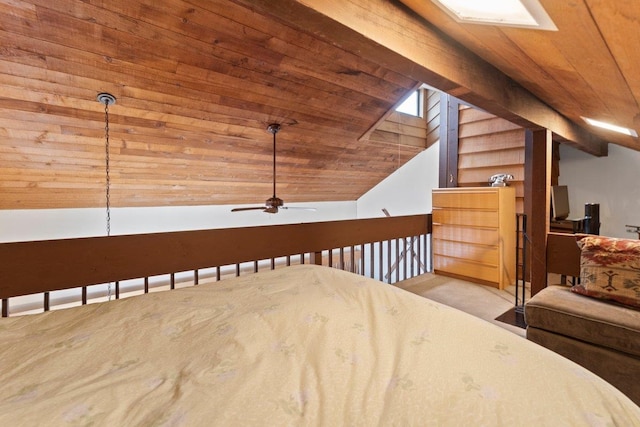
(411, 105)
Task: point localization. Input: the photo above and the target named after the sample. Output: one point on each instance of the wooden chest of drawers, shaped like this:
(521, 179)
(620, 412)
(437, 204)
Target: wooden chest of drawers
(474, 234)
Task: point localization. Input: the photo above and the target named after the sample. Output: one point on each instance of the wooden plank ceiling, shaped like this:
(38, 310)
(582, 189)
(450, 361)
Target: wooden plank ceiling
(198, 81)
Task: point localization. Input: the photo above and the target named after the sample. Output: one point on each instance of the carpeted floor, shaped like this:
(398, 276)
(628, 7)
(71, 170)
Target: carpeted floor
(482, 301)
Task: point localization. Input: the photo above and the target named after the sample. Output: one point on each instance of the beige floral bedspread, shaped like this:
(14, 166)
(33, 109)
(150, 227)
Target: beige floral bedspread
(301, 345)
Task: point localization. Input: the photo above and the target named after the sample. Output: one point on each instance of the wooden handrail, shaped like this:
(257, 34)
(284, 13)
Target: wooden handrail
(33, 267)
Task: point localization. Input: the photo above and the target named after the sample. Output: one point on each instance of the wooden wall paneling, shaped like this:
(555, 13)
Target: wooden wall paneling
(404, 124)
(475, 177)
(498, 141)
(484, 126)
(402, 129)
(491, 159)
(489, 145)
(432, 115)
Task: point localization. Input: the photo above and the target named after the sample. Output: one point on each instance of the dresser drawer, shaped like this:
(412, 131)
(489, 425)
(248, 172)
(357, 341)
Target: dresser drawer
(461, 233)
(461, 267)
(475, 200)
(476, 218)
(483, 254)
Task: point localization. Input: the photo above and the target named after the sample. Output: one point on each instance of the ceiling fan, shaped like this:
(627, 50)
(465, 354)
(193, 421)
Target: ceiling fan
(274, 203)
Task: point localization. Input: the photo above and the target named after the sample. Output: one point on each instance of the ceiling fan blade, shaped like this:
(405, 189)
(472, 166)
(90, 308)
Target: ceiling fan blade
(253, 208)
(301, 208)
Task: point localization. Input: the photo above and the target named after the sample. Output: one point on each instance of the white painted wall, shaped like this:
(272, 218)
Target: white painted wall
(407, 191)
(612, 181)
(43, 224)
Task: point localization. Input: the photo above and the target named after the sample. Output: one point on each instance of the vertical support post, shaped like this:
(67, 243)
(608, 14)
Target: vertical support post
(372, 261)
(317, 258)
(352, 258)
(449, 121)
(537, 170)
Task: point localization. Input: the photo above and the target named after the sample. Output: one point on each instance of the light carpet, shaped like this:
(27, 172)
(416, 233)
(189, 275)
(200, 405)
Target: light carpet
(481, 301)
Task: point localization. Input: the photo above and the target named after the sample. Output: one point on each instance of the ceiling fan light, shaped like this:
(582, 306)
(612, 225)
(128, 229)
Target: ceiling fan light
(611, 127)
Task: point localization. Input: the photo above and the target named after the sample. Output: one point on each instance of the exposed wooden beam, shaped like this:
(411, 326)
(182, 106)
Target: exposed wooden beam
(388, 33)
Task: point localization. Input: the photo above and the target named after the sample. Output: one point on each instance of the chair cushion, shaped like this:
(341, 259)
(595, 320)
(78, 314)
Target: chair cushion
(595, 321)
(610, 269)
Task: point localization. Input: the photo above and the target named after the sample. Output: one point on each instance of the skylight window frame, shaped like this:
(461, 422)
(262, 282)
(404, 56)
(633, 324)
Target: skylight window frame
(533, 7)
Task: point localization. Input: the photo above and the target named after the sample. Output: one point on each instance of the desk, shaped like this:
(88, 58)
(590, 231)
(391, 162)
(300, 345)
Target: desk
(567, 225)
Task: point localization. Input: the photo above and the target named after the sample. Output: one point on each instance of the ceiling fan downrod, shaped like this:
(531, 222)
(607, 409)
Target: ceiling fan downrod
(274, 203)
(273, 128)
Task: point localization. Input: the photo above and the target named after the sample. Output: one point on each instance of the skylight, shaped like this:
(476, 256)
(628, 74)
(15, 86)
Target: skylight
(612, 127)
(514, 13)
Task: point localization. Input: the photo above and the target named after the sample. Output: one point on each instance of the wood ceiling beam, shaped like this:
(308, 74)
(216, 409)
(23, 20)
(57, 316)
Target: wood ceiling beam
(390, 34)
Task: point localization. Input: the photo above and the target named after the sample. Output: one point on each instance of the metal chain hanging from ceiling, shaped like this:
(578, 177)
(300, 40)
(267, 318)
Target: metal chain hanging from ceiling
(107, 99)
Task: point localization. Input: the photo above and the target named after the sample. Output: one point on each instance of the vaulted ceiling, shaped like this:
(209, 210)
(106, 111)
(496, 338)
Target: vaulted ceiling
(198, 81)
(588, 68)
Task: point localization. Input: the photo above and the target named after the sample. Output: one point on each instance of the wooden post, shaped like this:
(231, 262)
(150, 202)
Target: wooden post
(537, 171)
(449, 118)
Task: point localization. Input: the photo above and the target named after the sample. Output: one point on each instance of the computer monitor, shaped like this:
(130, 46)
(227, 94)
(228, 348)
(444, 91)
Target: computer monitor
(559, 202)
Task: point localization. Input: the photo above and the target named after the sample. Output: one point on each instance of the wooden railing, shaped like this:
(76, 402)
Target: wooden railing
(389, 249)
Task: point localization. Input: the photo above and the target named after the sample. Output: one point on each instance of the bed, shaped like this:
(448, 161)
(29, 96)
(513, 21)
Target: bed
(297, 345)
(301, 345)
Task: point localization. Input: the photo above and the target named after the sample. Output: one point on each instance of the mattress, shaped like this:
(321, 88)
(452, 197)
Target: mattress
(301, 345)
